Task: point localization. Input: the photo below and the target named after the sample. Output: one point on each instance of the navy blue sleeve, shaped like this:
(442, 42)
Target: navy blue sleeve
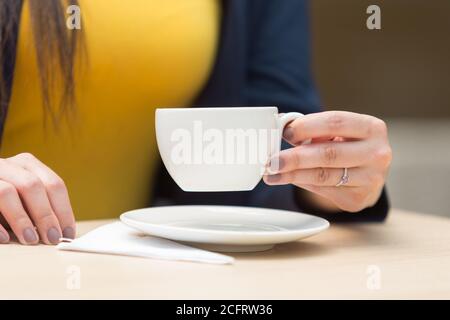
(279, 62)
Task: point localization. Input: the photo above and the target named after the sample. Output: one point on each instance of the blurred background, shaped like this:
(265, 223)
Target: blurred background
(401, 74)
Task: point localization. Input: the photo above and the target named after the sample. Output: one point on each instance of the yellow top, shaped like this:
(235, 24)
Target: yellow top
(141, 54)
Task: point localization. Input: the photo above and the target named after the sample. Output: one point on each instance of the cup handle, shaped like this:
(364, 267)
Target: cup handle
(282, 121)
(285, 119)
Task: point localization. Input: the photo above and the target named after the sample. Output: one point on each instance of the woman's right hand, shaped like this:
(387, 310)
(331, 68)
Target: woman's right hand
(34, 202)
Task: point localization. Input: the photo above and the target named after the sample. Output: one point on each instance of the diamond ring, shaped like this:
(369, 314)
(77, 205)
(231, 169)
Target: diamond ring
(344, 178)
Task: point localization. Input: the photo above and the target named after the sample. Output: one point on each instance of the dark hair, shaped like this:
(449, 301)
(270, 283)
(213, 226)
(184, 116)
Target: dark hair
(56, 49)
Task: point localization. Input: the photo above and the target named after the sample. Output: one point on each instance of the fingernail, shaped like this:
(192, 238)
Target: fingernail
(275, 165)
(273, 178)
(53, 235)
(69, 233)
(288, 133)
(29, 236)
(3, 238)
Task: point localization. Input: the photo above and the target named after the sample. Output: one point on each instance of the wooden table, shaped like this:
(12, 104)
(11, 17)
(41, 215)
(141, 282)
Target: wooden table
(406, 257)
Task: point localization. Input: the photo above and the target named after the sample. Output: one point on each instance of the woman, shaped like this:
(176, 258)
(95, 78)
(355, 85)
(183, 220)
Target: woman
(78, 110)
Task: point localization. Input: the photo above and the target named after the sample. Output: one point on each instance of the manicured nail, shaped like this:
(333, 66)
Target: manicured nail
(3, 238)
(272, 178)
(69, 233)
(53, 235)
(275, 165)
(29, 236)
(288, 133)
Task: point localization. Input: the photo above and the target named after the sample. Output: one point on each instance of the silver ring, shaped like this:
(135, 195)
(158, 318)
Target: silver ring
(344, 179)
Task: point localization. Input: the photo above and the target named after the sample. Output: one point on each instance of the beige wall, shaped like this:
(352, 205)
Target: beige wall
(401, 70)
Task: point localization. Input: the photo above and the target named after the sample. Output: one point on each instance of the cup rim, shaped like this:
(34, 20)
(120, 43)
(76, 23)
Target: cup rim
(231, 108)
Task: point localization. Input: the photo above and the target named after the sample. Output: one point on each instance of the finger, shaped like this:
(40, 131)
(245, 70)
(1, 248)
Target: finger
(326, 177)
(327, 155)
(313, 140)
(14, 213)
(332, 123)
(347, 199)
(322, 139)
(35, 200)
(56, 191)
(4, 236)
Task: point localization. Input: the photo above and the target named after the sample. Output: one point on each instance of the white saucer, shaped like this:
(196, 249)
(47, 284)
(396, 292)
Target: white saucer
(225, 228)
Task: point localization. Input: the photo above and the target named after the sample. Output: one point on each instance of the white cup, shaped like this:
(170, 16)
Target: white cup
(219, 149)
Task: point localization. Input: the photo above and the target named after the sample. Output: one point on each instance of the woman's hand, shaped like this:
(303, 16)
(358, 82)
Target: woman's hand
(338, 140)
(33, 201)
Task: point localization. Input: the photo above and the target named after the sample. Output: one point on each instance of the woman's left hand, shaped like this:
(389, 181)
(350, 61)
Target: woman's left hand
(338, 140)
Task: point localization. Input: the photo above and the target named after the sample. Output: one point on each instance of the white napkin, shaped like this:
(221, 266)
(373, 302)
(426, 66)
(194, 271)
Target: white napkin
(117, 238)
